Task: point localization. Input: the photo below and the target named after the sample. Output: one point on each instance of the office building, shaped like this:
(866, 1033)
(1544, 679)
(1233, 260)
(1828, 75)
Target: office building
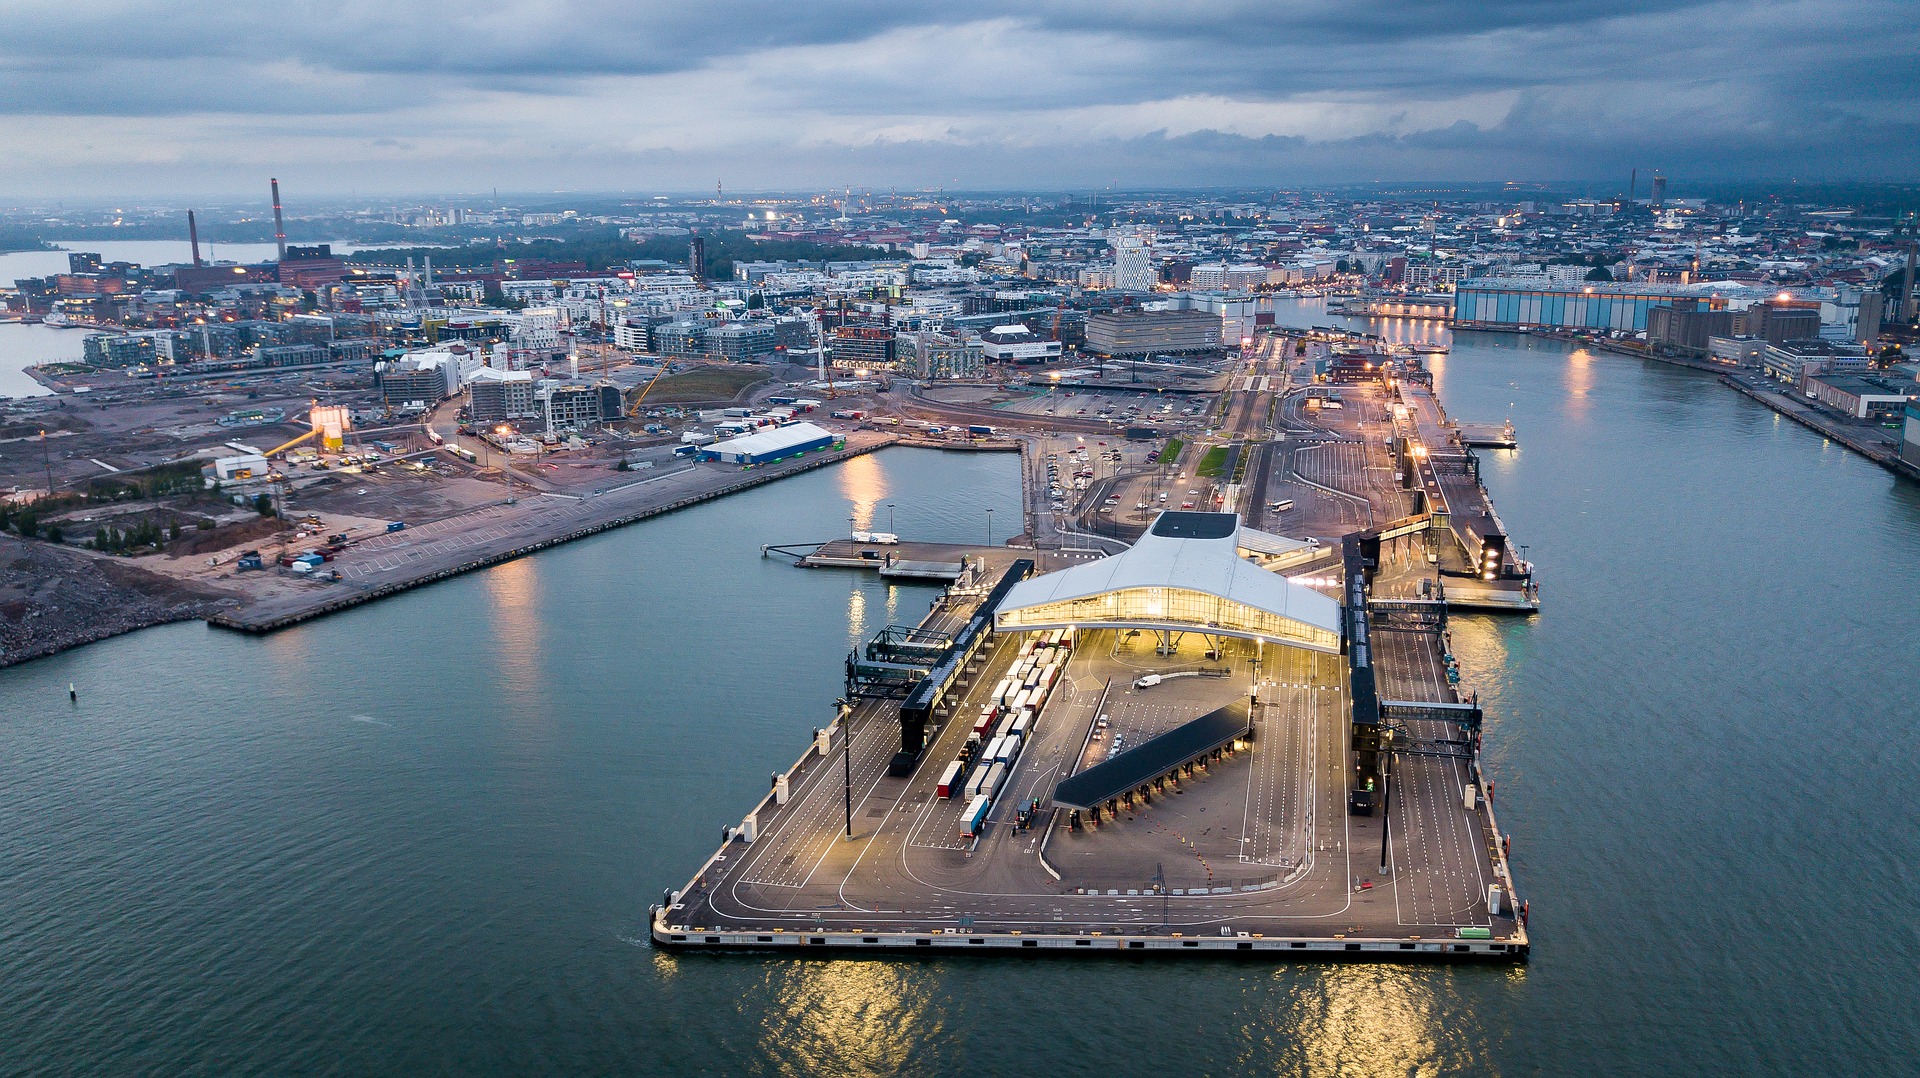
(1737, 351)
(1135, 333)
(1133, 264)
(1793, 362)
(1015, 343)
(863, 347)
(680, 340)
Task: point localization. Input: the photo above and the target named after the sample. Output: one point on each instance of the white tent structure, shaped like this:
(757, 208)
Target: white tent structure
(1189, 573)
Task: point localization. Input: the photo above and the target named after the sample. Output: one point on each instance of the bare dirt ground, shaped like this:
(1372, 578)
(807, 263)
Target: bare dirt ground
(53, 598)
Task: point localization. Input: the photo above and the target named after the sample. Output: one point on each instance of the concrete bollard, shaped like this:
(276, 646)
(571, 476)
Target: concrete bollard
(780, 790)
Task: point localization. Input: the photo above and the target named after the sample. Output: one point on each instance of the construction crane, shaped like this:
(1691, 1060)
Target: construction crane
(820, 346)
(662, 369)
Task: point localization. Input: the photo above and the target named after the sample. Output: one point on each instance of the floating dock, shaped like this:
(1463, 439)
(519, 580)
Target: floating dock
(1488, 435)
(944, 562)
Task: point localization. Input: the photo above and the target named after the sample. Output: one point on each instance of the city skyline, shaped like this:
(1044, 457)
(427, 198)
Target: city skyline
(135, 99)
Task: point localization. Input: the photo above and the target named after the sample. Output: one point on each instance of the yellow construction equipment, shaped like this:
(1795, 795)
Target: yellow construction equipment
(279, 449)
(635, 410)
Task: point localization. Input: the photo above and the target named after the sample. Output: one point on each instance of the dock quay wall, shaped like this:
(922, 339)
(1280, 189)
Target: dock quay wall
(1814, 422)
(840, 942)
(239, 622)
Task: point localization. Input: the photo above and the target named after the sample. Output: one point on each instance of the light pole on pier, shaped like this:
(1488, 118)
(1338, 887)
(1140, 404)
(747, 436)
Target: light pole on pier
(890, 519)
(989, 527)
(1386, 797)
(846, 757)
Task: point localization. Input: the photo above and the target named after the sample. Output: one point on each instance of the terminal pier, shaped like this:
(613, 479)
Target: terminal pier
(1170, 750)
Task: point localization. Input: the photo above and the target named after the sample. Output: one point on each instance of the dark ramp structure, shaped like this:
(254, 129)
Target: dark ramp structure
(1138, 767)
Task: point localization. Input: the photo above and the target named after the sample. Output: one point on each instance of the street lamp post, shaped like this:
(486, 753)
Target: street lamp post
(989, 527)
(1386, 801)
(846, 758)
(890, 518)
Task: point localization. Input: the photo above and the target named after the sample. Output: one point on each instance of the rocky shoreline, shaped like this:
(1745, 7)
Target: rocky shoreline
(53, 598)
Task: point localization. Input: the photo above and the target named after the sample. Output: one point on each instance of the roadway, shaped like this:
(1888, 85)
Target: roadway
(1257, 842)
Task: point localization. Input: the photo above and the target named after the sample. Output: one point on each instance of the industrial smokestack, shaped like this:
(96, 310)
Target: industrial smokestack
(193, 237)
(279, 227)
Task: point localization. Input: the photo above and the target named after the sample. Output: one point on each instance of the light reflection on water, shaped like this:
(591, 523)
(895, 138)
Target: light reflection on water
(1677, 739)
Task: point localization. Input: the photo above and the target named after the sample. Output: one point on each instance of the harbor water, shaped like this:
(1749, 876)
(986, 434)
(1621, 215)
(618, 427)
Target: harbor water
(422, 835)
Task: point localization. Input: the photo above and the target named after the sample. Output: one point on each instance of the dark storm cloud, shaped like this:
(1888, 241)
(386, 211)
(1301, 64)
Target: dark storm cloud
(1046, 91)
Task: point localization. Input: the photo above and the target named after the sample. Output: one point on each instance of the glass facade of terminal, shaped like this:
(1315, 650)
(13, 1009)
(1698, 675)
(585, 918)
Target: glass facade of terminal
(1572, 307)
(1178, 609)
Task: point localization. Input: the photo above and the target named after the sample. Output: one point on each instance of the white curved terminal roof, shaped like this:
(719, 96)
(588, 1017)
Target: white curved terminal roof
(1187, 574)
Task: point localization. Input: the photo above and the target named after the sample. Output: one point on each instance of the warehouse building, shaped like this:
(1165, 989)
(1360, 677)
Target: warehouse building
(1526, 303)
(1861, 396)
(766, 446)
(1683, 327)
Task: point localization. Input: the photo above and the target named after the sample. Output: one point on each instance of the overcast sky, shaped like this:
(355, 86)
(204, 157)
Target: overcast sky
(391, 96)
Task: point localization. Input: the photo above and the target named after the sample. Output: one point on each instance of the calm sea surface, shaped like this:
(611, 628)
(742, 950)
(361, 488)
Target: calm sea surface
(422, 835)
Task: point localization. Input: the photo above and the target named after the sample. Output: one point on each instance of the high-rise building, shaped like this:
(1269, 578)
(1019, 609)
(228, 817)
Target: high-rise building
(1133, 264)
(697, 258)
(1659, 191)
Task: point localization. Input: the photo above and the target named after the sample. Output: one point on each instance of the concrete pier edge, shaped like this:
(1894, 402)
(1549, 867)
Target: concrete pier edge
(239, 622)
